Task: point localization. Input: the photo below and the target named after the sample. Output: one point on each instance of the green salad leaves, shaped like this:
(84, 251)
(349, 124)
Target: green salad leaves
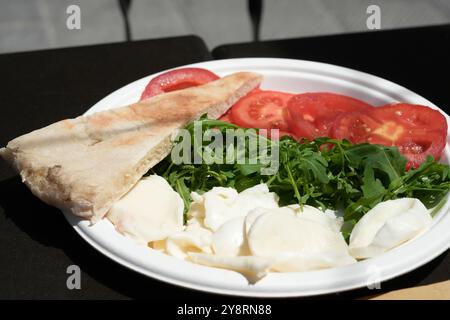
(325, 173)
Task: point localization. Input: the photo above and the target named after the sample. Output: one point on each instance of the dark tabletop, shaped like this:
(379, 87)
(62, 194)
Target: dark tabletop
(38, 88)
(416, 58)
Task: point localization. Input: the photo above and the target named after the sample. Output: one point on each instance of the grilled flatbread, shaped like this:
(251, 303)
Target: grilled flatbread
(86, 164)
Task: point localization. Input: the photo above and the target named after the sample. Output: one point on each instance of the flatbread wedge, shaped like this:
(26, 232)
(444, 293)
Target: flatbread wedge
(85, 164)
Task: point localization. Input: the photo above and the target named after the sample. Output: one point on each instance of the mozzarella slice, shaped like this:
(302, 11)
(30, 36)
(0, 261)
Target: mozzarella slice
(256, 197)
(229, 239)
(253, 268)
(194, 239)
(218, 204)
(282, 231)
(251, 217)
(223, 204)
(388, 225)
(328, 219)
(197, 207)
(150, 211)
(297, 242)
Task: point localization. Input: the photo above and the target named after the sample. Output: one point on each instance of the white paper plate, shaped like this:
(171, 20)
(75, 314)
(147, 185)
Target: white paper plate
(294, 76)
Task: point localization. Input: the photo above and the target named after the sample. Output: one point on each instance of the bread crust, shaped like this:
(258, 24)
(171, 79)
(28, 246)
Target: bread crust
(85, 164)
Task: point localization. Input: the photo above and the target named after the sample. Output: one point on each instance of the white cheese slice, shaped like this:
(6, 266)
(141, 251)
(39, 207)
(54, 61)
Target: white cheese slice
(223, 204)
(229, 239)
(253, 268)
(194, 238)
(150, 211)
(388, 225)
(327, 219)
(297, 242)
(218, 206)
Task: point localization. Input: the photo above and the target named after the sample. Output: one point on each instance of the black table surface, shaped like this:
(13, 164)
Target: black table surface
(416, 58)
(38, 88)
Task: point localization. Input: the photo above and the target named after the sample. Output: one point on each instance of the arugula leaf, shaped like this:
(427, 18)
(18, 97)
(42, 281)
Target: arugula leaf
(371, 186)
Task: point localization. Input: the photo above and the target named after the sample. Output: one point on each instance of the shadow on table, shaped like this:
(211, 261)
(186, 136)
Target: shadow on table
(48, 226)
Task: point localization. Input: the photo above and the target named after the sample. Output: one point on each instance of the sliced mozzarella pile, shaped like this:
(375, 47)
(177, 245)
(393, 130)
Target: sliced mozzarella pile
(388, 225)
(247, 232)
(150, 211)
(219, 216)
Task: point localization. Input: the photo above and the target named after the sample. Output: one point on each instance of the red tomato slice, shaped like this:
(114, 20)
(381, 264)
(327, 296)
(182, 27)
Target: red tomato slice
(281, 134)
(417, 149)
(413, 117)
(176, 80)
(225, 117)
(417, 131)
(355, 126)
(311, 115)
(262, 109)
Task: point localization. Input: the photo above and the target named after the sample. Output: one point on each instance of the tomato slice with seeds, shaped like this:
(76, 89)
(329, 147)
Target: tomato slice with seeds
(356, 127)
(417, 131)
(176, 80)
(311, 115)
(262, 109)
(416, 150)
(413, 117)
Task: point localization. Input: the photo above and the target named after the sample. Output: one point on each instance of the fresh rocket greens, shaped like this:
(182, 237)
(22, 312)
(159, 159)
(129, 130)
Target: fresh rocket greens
(325, 173)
